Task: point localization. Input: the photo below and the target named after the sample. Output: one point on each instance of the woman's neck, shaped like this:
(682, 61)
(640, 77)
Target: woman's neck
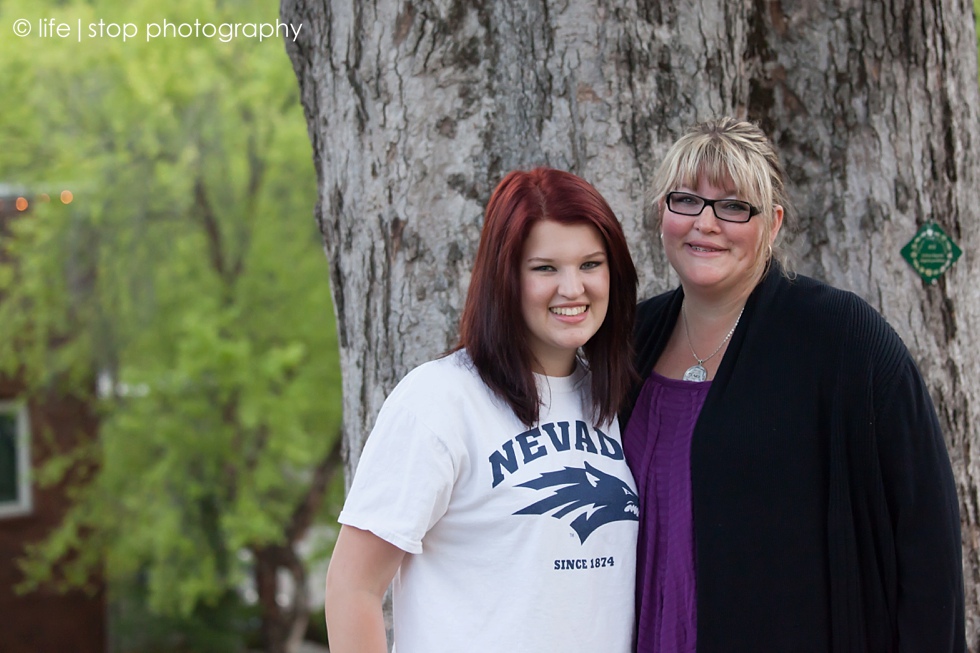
(708, 312)
(715, 308)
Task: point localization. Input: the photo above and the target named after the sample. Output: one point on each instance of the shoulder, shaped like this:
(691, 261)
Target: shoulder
(819, 303)
(654, 314)
(812, 297)
(436, 402)
(839, 316)
(650, 308)
(439, 380)
(445, 394)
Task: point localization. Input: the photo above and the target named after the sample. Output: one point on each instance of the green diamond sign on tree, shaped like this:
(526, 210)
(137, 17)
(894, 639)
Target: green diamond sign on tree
(931, 252)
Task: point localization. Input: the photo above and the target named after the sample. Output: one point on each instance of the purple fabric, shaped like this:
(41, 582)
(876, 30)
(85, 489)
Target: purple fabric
(657, 444)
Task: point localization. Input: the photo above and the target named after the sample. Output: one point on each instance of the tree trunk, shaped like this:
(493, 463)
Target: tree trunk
(283, 627)
(416, 109)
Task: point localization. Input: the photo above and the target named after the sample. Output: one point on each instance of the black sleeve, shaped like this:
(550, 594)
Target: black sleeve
(924, 513)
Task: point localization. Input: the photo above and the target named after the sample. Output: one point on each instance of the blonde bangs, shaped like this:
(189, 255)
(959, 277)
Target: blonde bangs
(722, 162)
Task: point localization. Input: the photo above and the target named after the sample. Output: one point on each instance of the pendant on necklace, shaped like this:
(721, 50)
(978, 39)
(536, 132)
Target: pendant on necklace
(696, 372)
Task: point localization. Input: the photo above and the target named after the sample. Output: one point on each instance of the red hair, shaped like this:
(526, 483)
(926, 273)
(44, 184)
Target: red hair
(492, 327)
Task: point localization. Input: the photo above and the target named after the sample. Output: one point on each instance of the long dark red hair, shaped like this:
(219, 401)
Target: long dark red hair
(492, 327)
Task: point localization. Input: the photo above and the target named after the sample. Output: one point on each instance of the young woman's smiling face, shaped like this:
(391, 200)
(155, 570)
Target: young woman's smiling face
(564, 292)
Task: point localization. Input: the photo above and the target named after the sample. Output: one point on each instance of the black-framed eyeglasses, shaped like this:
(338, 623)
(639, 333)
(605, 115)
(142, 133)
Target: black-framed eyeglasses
(728, 210)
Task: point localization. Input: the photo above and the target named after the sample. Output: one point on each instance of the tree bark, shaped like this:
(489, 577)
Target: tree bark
(417, 108)
(282, 627)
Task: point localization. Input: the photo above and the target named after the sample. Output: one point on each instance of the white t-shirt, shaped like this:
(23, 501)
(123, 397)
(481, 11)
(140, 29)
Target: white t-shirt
(519, 540)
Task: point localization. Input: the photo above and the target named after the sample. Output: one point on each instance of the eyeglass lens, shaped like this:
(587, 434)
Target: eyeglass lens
(725, 209)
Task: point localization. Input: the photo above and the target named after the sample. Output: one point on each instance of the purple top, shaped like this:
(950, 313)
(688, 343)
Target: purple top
(657, 444)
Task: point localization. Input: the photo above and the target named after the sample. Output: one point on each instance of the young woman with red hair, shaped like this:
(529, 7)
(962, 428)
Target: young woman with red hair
(493, 489)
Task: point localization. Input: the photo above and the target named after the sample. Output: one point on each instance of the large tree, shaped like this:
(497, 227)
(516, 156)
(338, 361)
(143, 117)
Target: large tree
(416, 108)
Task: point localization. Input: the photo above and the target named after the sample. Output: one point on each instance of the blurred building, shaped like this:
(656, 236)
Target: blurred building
(31, 432)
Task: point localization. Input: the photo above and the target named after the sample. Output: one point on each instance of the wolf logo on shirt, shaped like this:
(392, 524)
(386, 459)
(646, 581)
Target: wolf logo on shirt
(611, 499)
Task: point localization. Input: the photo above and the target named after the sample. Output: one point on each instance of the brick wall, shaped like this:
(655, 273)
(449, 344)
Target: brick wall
(45, 621)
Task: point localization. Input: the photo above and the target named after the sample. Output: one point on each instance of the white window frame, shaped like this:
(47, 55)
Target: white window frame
(24, 503)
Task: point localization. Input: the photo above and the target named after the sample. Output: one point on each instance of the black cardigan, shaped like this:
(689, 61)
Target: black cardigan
(825, 513)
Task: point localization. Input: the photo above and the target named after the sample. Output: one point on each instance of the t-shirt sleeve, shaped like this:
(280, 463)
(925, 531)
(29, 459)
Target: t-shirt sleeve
(403, 480)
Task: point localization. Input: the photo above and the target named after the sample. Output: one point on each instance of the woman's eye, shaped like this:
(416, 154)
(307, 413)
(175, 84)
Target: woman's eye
(543, 268)
(589, 265)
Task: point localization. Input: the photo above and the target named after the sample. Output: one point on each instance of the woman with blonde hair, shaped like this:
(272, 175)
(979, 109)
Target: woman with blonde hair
(795, 489)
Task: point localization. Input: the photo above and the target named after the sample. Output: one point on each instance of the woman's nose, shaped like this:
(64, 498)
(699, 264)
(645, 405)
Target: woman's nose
(571, 284)
(706, 220)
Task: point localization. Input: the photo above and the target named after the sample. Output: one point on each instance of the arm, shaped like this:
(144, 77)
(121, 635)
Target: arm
(925, 513)
(360, 571)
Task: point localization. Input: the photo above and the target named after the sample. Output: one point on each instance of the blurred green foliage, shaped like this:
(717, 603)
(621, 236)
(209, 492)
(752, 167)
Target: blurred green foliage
(227, 626)
(187, 274)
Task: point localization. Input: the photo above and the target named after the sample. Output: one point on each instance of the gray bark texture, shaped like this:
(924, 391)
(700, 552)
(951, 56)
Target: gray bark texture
(416, 109)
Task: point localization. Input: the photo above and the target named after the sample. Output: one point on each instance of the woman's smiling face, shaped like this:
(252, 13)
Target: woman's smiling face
(712, 256)
(564, 292)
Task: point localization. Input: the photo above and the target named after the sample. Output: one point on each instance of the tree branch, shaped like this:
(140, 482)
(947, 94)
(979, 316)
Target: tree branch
(322, 476)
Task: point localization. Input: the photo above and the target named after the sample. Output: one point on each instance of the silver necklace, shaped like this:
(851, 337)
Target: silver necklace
(697, 372)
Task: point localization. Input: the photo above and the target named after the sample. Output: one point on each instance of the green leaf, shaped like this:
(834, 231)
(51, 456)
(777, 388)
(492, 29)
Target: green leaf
(186, 273)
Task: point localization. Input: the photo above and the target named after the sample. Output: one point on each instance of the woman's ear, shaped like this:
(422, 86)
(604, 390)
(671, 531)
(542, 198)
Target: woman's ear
(661, 205)
(777, 222)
